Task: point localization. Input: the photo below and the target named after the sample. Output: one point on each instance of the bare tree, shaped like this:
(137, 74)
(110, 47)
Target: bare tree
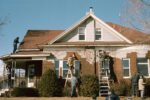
(3, 21)
(136, 14)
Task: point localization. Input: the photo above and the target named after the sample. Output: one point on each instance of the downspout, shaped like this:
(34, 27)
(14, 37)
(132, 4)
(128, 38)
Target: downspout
(95, 60)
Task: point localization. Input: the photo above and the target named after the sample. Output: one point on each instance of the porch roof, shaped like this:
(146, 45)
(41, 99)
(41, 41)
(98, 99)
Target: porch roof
(27, 54)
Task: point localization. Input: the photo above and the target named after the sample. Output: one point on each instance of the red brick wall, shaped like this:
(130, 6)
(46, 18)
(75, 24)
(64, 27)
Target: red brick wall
(133, 68)
(47, 65)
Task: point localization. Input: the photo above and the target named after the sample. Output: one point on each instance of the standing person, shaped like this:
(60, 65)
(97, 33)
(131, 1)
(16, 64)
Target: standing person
(16, 41)
(134, 81)
(141, 86)
(74, 82)
(112, 95)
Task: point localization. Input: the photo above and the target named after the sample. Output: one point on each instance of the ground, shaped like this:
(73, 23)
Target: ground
(62, 98)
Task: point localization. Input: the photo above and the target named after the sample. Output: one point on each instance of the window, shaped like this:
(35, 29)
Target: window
(81, 31)
(61, 65)
(142, 66)
(105, 69)
(65, 68)
(57, 68)
(97, 34)
(126, 67)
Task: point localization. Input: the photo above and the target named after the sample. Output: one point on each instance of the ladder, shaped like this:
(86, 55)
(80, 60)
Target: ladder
(69, 74)
(103, 79)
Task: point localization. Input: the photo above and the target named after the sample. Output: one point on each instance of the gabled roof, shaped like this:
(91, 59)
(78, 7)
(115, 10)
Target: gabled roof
(36, 37)
(33, 38)
(135, 36)
(81, 21)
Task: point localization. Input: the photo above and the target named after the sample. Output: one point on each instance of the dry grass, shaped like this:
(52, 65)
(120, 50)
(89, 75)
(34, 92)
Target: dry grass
(61, 98)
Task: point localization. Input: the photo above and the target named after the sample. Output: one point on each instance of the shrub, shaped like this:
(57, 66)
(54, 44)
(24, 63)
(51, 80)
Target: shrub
(147, 87)
(123, 88)
(89, 86)
(25, 92)
(49, 85)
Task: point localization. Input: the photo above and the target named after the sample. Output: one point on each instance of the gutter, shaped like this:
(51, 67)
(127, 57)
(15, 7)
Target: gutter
(18, 56)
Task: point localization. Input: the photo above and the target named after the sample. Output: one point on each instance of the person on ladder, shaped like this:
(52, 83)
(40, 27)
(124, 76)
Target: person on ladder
(70, 63)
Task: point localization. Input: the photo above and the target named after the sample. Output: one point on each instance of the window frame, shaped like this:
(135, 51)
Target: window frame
(126, 67)
(98, 34)
(61, 66)
(144, 64)
(81, 34)
(108, 68)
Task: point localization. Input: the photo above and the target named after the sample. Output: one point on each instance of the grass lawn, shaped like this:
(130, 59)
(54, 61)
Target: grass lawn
(61, 98)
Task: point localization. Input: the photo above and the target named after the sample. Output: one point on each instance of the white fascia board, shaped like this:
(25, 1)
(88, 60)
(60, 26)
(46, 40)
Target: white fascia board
(49, 46)
(119, 34)
(70, 29)
(28, 49)
(32, 55)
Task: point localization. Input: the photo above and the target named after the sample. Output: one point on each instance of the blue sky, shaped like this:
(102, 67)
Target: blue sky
(23, 15)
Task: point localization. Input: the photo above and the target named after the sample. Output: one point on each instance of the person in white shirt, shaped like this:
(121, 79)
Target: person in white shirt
(141, 86)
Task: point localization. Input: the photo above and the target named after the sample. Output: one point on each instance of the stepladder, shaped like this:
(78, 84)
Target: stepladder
(69, 75)
(104, 73)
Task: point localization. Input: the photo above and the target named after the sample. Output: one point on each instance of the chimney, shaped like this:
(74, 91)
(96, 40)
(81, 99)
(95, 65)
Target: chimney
(91, 11)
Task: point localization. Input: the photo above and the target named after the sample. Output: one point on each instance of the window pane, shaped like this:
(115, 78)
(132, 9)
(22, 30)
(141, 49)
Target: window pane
(126, 72)
(106, 64)
(77, 68)
(65, 64)
(141, 60)
(105, 72)
(57, 72)
(81, 30)
(97, 37)
(81, 37)
(56, 64)
(143, 69)
(125, 63)
(65, 73)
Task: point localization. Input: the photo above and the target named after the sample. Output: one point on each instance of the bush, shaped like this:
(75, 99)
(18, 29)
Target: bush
(147, 87)
(25, 92)
(89, 86)
(123, 88)
(49, 85)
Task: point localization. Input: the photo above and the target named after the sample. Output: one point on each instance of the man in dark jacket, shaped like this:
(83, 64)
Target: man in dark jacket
(134, 81)
(16, 41)
(112, 95)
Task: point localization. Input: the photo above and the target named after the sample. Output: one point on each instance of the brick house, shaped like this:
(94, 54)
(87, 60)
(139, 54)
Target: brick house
(128, 49)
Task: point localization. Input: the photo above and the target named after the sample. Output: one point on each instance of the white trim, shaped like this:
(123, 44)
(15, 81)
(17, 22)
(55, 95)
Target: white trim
(126, 68)
(148, 66)
(28, 49)
(81, 21)
(32, 55)
(119, 45)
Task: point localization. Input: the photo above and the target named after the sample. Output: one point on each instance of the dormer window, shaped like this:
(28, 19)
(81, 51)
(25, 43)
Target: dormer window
(81, 31)
(98, 34)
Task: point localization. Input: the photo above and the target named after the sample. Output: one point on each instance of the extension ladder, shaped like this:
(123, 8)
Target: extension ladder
(103, 79)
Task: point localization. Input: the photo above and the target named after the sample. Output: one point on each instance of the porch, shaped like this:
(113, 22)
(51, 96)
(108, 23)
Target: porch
(21, 73)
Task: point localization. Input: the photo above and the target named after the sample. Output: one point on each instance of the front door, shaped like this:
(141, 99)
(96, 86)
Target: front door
(31, 71)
